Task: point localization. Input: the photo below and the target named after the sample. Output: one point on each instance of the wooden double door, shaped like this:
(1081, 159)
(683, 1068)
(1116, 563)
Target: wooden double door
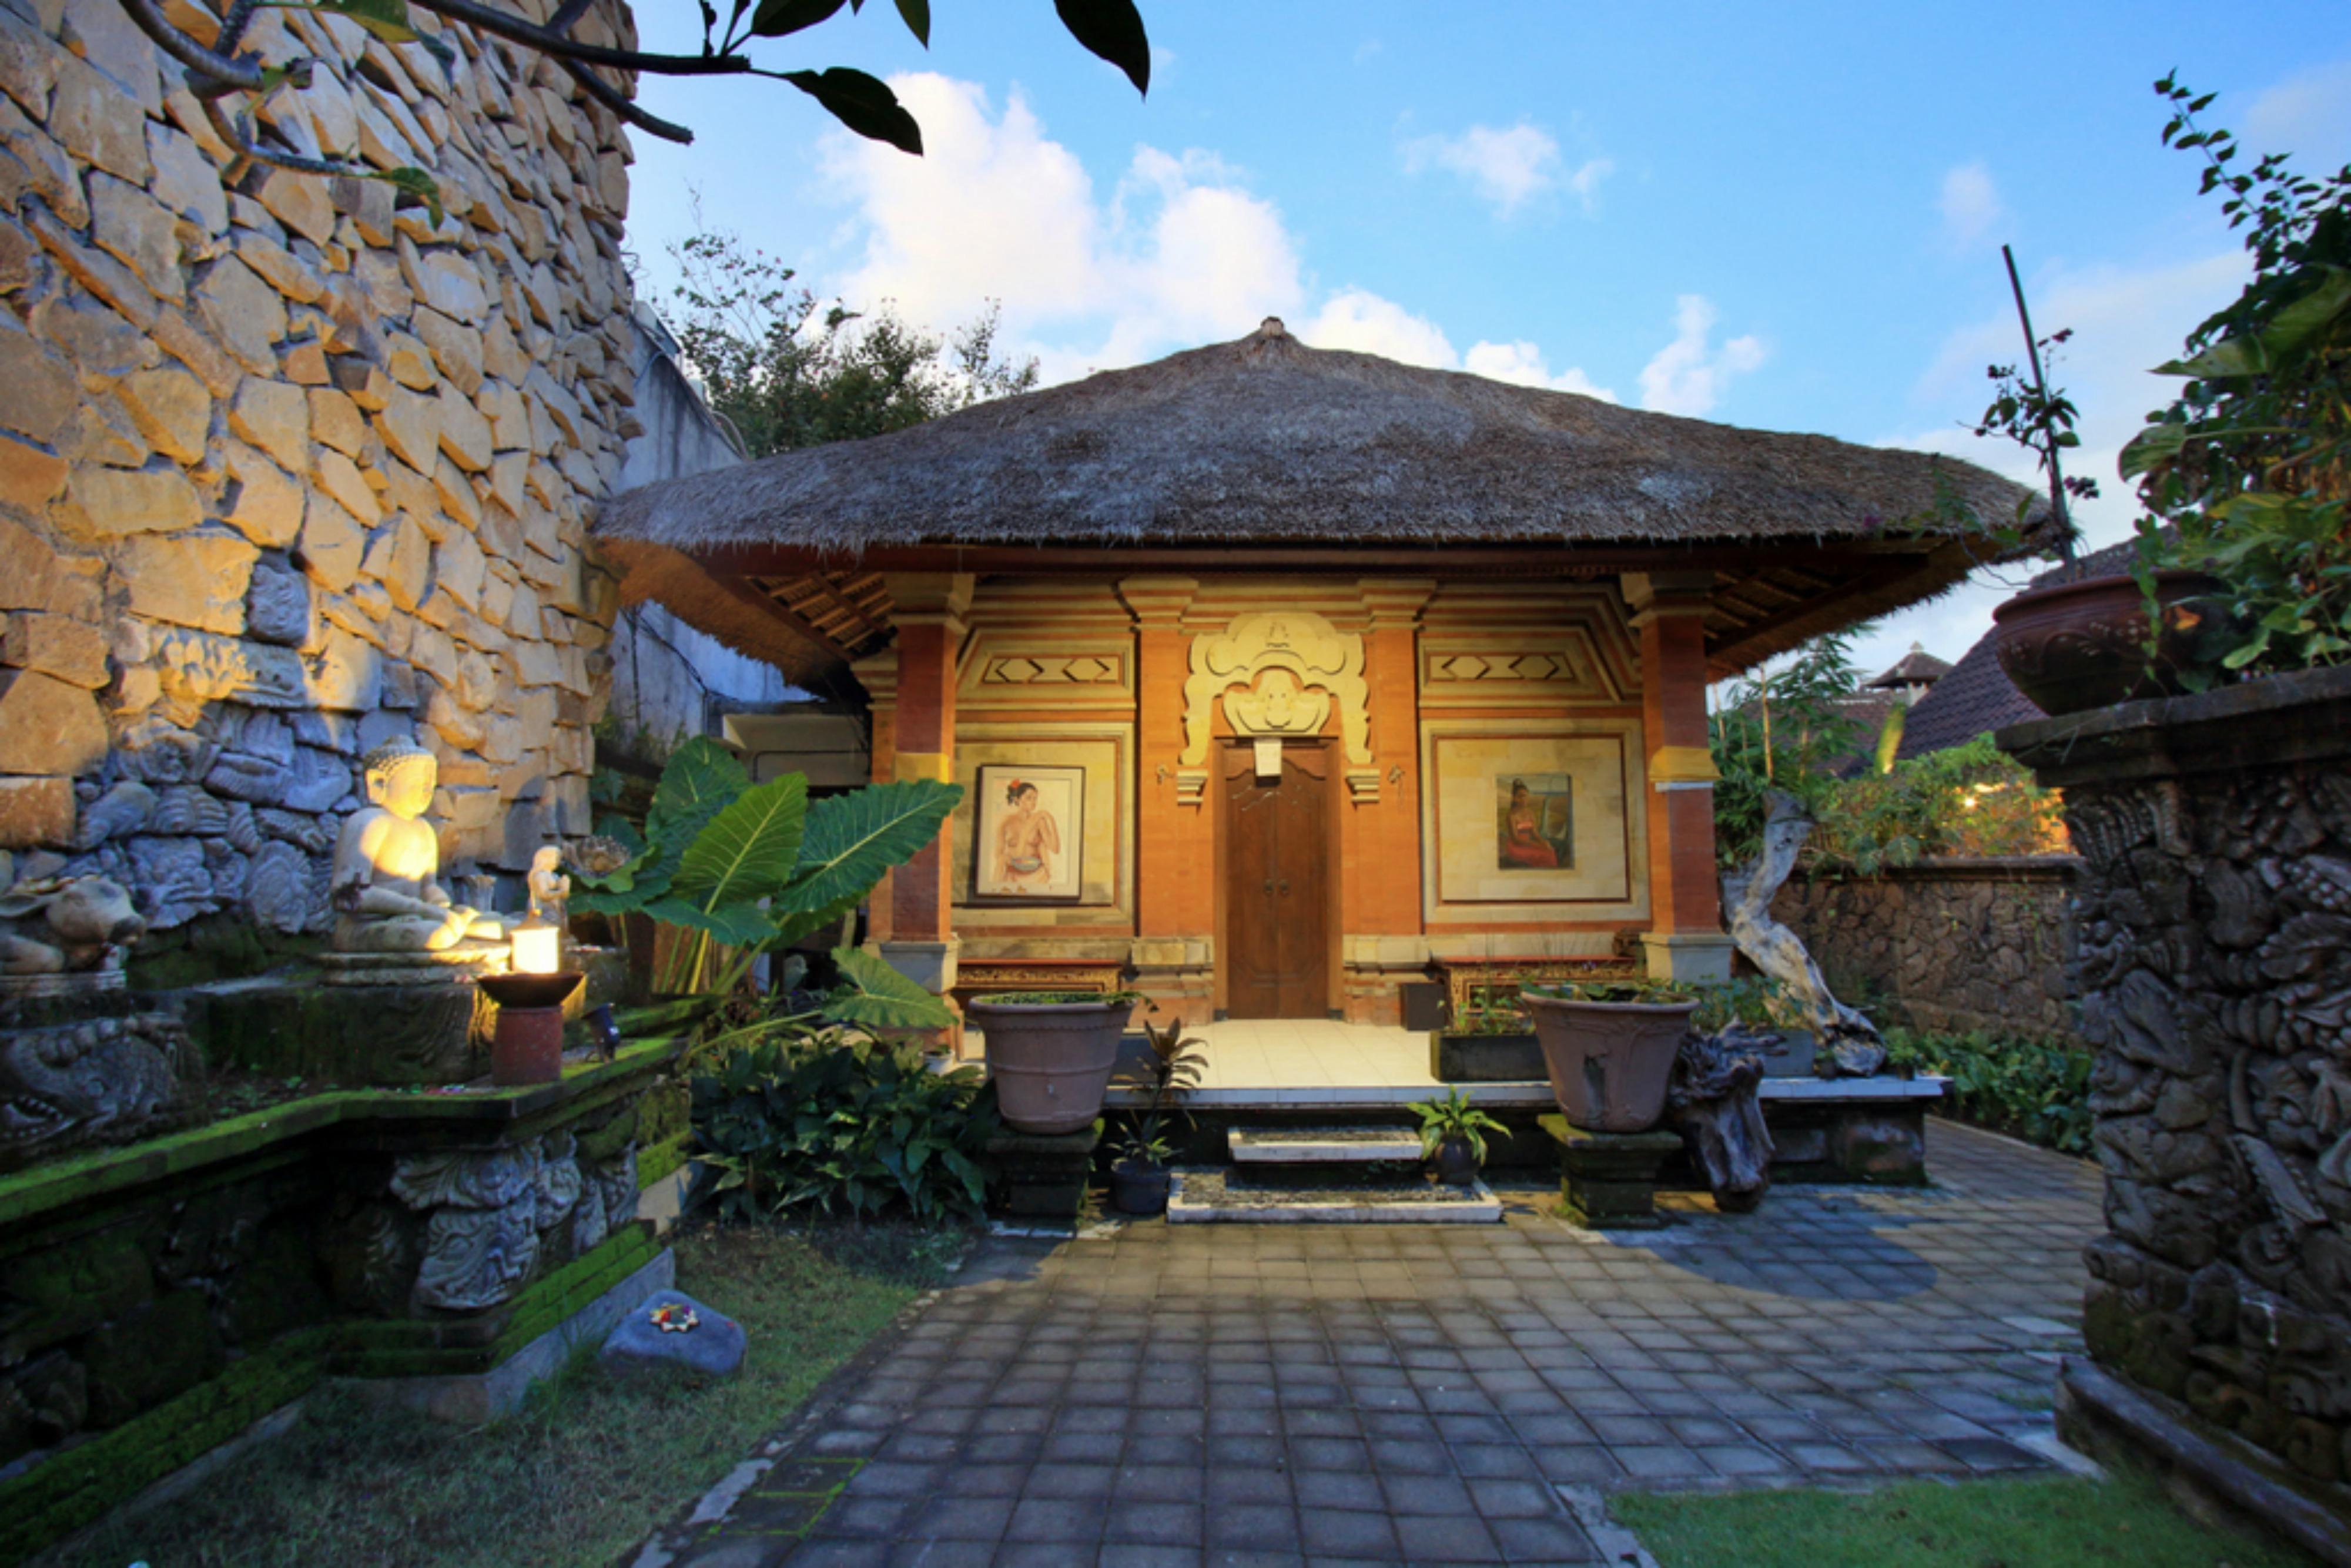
(1276, 955)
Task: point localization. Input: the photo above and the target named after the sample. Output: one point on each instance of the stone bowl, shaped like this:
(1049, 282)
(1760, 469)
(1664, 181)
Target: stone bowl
(526, 991)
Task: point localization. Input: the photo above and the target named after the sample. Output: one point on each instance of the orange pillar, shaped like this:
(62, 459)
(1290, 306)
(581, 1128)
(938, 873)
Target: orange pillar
(927, 608)
(1685, 940)
(1175, 855)
(1383, 941)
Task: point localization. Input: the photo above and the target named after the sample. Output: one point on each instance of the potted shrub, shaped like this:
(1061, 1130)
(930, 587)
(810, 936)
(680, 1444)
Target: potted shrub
(1453, 1133)
(1139, 1177)
(1491, 1042)
(1609, 1047)
(2080, 638)
(1051, 1054)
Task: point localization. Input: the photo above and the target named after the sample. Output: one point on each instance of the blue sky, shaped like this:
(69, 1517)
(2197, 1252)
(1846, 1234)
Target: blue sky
(1787, 217)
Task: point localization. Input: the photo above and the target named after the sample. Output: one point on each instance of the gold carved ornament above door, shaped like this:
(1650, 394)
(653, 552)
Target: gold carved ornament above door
(1278, 673)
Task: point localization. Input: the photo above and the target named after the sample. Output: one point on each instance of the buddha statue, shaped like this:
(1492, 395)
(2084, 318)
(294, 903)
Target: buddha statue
(387, 859)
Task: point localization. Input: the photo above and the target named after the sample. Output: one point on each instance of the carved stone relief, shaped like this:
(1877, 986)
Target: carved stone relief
(1278, 673)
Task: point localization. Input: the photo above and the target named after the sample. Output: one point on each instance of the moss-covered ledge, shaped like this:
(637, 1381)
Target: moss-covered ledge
(375, 1117)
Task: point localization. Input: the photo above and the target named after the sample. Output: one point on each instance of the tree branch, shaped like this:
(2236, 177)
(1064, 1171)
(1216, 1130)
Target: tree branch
(620, 103)
(210, 73)
(489, 19)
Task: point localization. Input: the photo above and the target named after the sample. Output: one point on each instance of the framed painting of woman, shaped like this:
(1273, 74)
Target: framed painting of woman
(1029, 845)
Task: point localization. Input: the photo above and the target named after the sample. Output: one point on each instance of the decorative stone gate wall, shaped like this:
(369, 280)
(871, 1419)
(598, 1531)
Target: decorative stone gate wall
(1958, 944)
(284, 470)
(2215, 910)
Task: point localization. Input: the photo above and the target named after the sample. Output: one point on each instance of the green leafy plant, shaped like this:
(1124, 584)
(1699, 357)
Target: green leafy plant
(786, 373)
(825, 1121)
(756, 867)
(1453, 1117)
(1491, 1010)
(1757, 1001)
(1062, 998)
(1145, 1144)
(1969, 800)
(1782, 729)
(1173, 1068)
(2247, 472)
(2036, 1089)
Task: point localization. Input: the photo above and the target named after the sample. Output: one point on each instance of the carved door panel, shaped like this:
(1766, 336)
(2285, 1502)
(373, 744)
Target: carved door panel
(1277, 949)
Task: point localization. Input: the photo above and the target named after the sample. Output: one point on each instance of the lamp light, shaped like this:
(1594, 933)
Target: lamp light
(538, 947)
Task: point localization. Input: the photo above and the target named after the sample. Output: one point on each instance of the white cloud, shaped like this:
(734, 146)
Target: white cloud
(1507, 168)
(1182, 253)
(1178, 253)
(1359, 319)
(1970, 204)
(2308, 115)
(1522, 363)
(1689, 375)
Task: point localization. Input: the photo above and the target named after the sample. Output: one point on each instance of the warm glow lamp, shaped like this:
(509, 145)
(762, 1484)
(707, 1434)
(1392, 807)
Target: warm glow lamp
(538, 947)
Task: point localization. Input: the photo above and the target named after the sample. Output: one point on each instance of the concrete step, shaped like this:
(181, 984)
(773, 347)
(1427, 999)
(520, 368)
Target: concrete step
(1321, 1145)
(1225, 1198)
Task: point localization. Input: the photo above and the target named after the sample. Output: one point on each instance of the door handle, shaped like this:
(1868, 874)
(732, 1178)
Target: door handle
(1285, 887)
(1268, 887)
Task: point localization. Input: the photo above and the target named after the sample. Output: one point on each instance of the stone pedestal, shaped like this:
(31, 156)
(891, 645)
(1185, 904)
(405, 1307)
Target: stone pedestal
(1040, 1177)
(1609, 1180)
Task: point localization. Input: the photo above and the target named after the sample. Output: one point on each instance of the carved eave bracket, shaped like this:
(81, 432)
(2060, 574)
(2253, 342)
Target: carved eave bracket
(1278, 673)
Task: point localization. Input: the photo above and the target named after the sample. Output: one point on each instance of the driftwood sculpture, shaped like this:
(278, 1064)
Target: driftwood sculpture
(1846, 1044)
(1713, 1101)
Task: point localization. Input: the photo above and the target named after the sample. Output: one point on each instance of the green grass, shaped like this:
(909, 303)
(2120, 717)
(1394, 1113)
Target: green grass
(2126, 1520)
(587, 1468)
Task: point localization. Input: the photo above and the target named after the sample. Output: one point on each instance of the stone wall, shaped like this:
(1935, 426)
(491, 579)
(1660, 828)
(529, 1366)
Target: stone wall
(2215, 910)
(1954, 945)
(665, 673)
(284, 470)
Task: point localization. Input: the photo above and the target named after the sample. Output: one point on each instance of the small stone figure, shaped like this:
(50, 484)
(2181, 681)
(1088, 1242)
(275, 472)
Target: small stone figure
(550, 888)
(1713, 1100)
(83, 923)
(385, 893)
(1846, 1044)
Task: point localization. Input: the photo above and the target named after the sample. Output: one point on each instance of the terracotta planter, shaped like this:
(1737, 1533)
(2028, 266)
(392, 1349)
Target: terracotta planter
(1609, 1062)
(1138, 1189)
(1050, 1061)
(2082, 646)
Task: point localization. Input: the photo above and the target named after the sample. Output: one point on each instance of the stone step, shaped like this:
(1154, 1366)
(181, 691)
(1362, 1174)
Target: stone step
(1220, 1197)
(1321, 1145)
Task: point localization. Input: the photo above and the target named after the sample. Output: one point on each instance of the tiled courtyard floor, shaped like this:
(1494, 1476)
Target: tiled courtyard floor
(1285, 1395)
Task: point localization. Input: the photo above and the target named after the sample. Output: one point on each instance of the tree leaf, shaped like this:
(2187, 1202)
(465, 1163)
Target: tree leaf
(733, 924)
(881, 997)
(750, 849)
(853, 839)
(1113, 30)
(774, 18)
(415, 183)
(917, 16)
(386, 19)
(700, 779)
(864, 103)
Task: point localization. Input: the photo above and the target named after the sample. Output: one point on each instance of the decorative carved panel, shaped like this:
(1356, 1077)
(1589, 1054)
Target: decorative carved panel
(1512, 668)
(1012, 667)
(1278, 673)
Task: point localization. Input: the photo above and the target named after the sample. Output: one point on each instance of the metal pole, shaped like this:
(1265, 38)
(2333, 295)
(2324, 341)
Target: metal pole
(2041, 387)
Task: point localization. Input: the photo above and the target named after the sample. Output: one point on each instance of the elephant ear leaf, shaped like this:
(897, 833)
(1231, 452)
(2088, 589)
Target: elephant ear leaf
(750, 849)
(853, 839)
(878, 997)
(701, 779)
(730, 926)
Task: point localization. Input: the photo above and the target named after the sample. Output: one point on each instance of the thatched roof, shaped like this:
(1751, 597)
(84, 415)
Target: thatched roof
(1268, 441)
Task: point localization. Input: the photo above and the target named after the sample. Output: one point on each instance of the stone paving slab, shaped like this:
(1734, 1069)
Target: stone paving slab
(1294, 1396)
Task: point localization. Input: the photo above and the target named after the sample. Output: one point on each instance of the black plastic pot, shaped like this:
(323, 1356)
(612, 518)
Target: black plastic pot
(1139, 1188)
(1457, 1162)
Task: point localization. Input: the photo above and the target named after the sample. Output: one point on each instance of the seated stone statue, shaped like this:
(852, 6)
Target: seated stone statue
(385, 893)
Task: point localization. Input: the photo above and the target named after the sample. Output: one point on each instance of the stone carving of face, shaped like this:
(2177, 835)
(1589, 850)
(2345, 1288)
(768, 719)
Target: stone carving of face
(399, 778)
